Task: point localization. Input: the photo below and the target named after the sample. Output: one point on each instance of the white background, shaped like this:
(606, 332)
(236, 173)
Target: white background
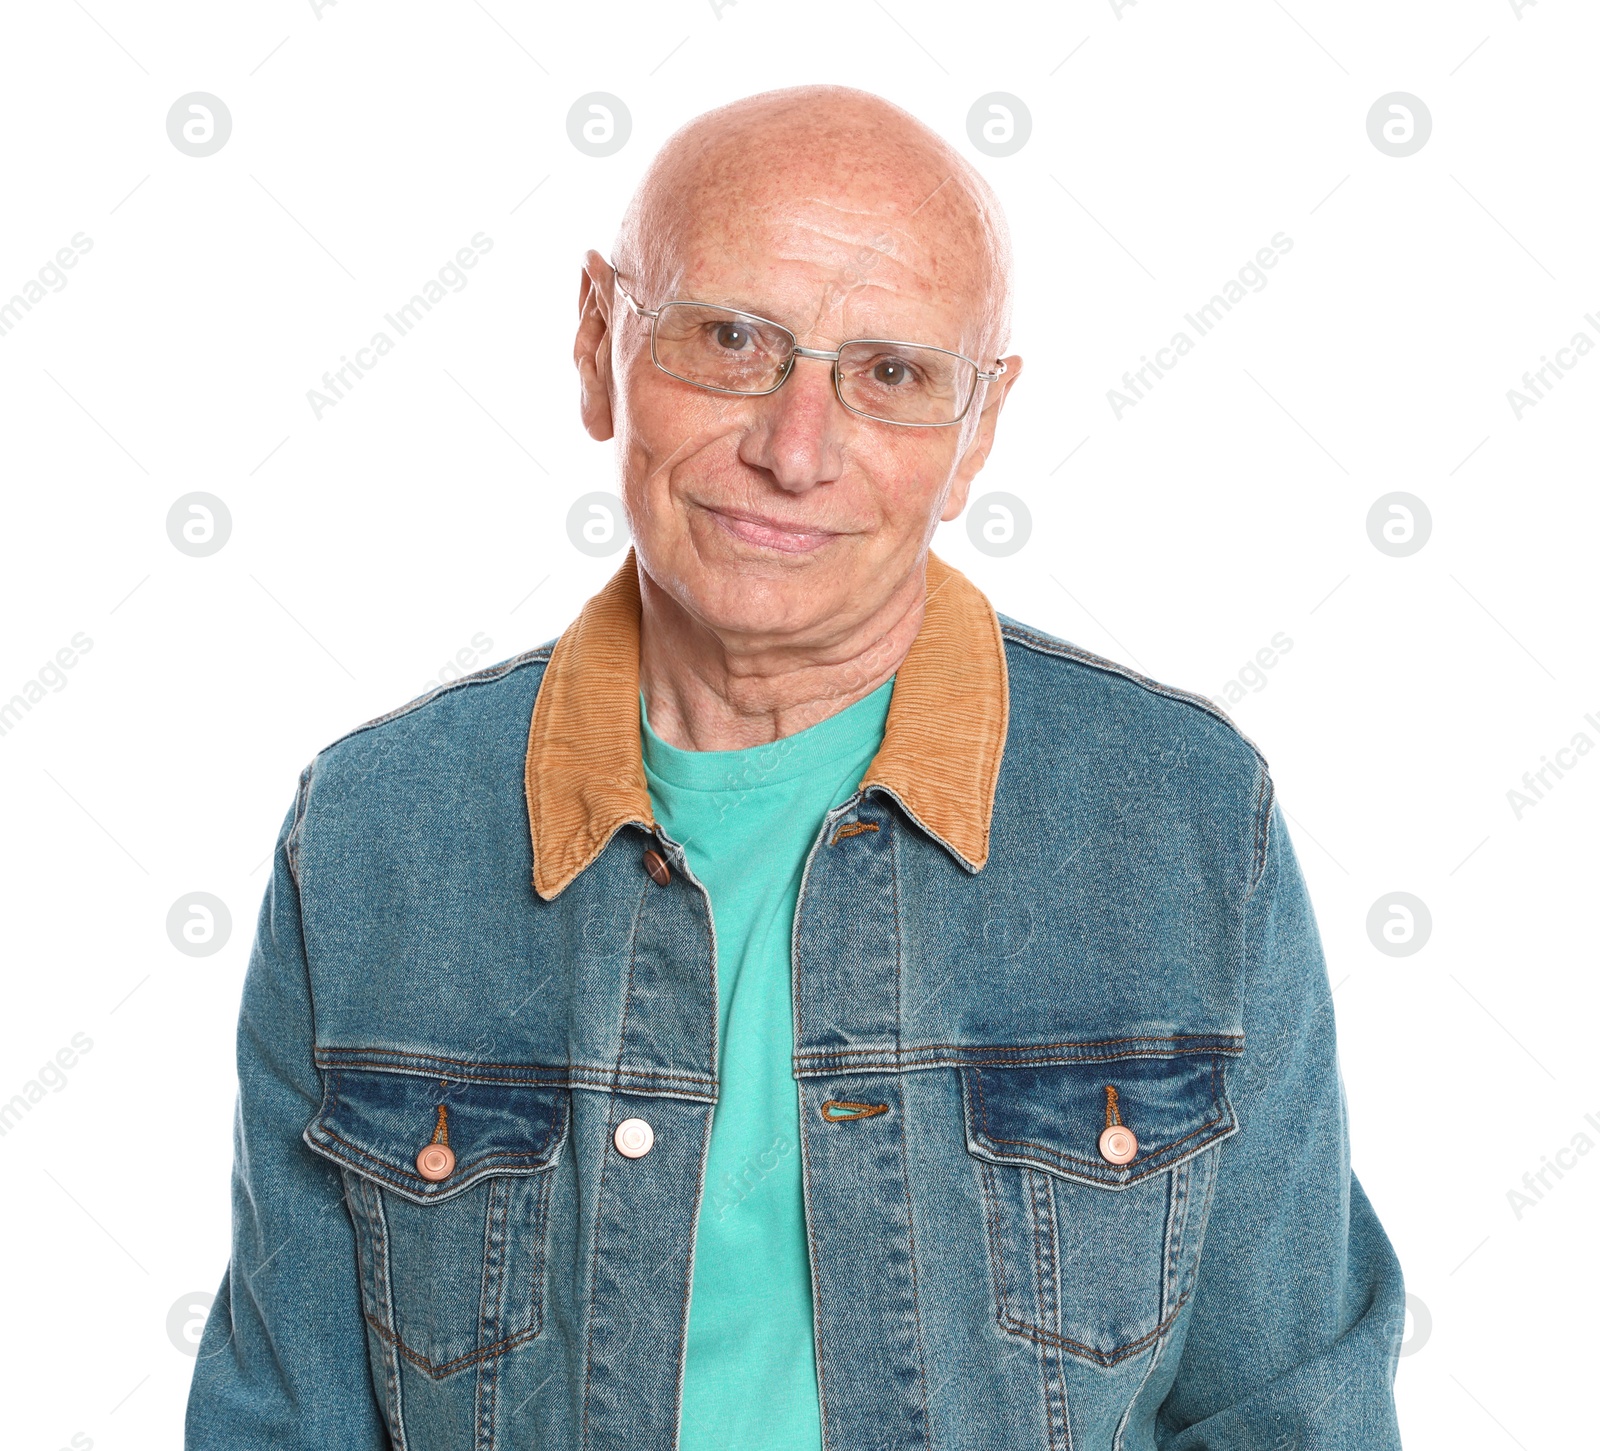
(1169, 142)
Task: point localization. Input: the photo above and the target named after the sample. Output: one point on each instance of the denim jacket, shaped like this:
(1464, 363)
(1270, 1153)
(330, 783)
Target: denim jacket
(1063, 902)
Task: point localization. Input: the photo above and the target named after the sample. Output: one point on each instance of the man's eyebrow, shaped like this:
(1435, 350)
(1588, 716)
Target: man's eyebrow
(711, 298)
(708, 298)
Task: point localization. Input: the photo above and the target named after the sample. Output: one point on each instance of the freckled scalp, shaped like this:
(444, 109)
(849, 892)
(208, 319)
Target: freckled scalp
(829, 160)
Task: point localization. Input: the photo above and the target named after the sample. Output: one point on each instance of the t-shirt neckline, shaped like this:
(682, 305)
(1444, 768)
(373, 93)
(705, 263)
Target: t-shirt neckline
(857, 727)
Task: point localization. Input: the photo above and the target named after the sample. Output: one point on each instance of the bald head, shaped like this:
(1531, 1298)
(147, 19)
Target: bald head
(784, 525)
(879, 205)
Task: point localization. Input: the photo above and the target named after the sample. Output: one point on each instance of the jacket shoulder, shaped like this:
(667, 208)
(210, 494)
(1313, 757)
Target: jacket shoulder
(1143, 741)
(452, 755)
(1050, 669)
(479, 700)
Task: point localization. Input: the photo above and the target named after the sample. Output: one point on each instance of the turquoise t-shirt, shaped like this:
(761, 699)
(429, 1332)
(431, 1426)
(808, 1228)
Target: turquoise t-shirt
(747, 820)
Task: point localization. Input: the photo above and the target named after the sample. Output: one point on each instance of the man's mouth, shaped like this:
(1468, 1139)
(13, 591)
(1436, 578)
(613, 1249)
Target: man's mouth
(767, 533)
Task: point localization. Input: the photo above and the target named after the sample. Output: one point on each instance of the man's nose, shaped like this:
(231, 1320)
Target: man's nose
(797, 434)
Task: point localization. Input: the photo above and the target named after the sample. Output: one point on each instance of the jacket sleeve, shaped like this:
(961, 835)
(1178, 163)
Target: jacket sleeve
(1299, 1304)
(283, 1359)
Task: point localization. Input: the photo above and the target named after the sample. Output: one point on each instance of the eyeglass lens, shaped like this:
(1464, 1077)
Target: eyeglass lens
(737, 353)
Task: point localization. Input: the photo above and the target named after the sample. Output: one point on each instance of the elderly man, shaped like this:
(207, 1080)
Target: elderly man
(800, 1008)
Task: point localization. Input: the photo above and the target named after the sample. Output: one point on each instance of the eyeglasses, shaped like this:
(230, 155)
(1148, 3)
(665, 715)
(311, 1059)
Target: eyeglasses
(727, 351)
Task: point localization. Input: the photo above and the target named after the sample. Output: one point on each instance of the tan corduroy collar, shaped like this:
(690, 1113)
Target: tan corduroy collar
(940, 755)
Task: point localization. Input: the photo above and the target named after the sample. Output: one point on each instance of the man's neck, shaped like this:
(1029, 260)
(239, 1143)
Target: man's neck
(712, 691)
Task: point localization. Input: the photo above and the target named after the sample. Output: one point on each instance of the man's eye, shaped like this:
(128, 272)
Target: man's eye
(733, 336)
(891, 372)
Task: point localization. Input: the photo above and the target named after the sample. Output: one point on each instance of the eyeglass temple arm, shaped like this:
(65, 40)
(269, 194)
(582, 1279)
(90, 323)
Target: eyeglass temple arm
(638, 311)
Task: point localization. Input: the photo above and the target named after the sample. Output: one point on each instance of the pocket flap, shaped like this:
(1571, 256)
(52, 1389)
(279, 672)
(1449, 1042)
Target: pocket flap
(1051, 1116)
(377, 1121)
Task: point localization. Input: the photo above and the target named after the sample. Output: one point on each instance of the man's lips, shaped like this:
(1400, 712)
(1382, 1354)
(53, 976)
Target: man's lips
(772, 533)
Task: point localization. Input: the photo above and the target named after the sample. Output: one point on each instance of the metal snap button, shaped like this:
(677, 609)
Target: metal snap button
(1118, 1145)
(634, 1138)
(656, 865)
(436, 1162)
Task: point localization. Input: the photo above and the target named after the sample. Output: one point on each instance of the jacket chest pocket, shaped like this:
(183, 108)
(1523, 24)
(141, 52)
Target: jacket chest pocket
(1094, 1238)
(452, 1260)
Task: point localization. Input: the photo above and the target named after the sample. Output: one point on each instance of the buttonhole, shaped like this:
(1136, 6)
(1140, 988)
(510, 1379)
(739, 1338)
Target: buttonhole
(836, 1110)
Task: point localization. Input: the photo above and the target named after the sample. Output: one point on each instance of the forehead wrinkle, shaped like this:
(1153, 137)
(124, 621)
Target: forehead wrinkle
(826, 150)
(901, 262)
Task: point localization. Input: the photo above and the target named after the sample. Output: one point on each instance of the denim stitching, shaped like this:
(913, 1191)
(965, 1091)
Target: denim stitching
(1153, 1164)
(877, 788)
(1051, 1291)
(688, 1273)
(1266, 796)
(1045, 645)
(491, 1306)
(916, 1301)
(1127, 1411)
(797, 998)
(1030, 1209)
(538, 656)
(355, 1189)
(1058, 1158)
(1180, 1189)
(484, 1397)
(541, 1239)
(491, 1298)
(893, 842)
(538, 1157)
(1193, 1259)
(395, 1407)
(495, 1227)
(1086, 1352)
(1011, 1321)
(419, 1065)
(507, 1160)
(990, 1192)
(291, 842)
(1177, 1214)
(605, 1169)
(903, 1130)
(967, 1048)
(438, 1370)
(809, 1196)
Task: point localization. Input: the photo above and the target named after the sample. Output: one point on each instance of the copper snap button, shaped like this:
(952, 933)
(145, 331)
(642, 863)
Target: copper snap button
(656, 865)
(436, 1162)
(1118, 1145)
(634, 1138)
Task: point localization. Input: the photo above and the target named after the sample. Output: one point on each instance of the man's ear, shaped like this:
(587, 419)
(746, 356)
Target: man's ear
(982, 441)
(591, 348)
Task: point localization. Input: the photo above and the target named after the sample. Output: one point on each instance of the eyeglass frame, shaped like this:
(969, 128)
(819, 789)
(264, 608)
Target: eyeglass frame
(821, 355)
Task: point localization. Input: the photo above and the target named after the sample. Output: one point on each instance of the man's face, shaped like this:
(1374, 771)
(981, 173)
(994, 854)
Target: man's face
(787, 518)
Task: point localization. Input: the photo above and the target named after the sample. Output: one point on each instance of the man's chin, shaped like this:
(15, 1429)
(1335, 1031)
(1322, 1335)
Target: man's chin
(749, 595)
